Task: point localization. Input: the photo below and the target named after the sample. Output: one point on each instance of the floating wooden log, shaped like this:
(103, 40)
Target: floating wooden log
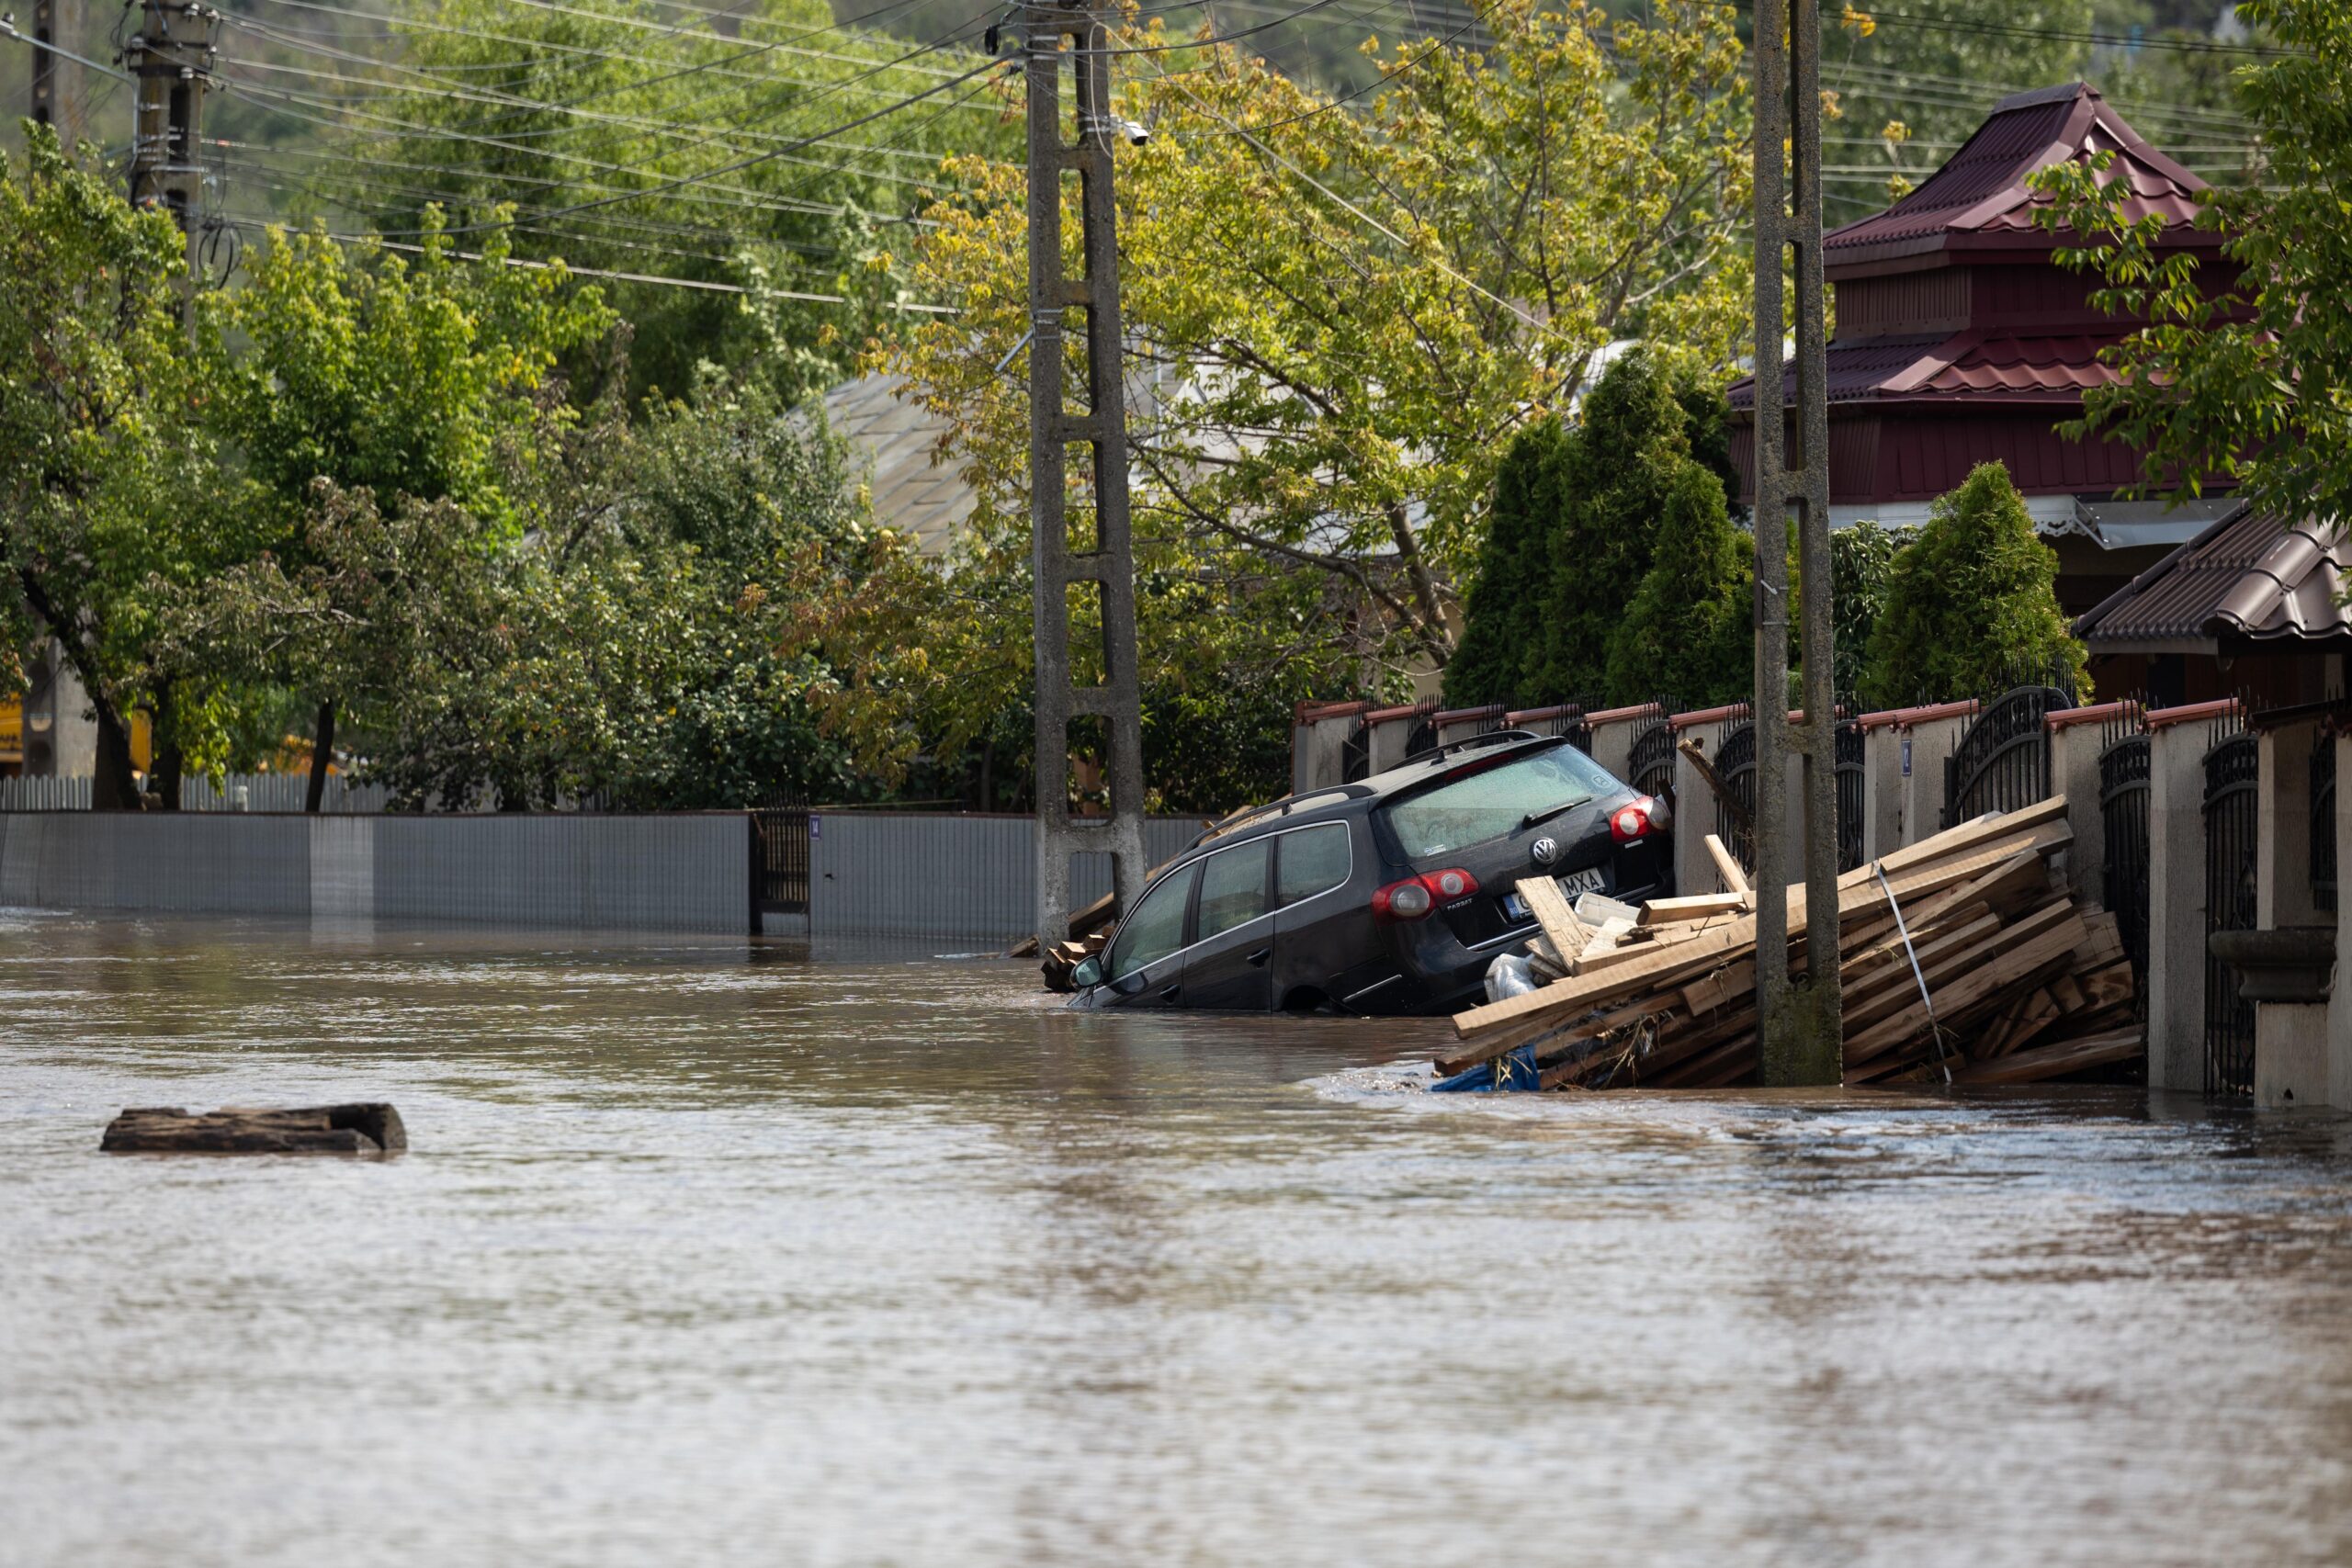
(362, 1128)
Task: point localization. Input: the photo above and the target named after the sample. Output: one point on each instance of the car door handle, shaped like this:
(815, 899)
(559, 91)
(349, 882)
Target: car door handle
(1260, 956)
(1169, 994)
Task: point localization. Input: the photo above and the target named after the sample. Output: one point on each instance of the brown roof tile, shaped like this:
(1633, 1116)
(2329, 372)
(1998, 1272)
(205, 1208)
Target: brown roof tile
(1979, 196)
(2252, 577)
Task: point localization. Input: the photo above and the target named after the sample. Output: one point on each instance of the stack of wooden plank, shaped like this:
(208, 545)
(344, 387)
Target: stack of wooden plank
(1962, 957)
(1064, 960)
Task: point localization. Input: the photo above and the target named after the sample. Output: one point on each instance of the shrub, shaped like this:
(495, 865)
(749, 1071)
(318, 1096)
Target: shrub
(1970, 600)
(1689, 629)
(1503, 619)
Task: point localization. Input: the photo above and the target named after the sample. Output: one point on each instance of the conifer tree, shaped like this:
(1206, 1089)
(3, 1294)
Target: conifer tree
(1502, 632)
(1632, 442)
(1689, 629)
(1970, 600)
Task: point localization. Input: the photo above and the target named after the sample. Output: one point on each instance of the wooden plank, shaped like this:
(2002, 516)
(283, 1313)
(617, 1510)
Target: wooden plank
(2054, 1061)
(1727, 866)
(1984, 981)
(1687, 960)
(1550, 905)
(1698, 906)
(1730, 802)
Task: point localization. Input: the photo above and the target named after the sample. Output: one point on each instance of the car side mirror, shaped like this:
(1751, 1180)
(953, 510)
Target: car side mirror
(1088, 972)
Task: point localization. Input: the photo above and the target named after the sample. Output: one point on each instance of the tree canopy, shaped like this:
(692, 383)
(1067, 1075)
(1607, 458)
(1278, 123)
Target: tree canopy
(1971, 600)
(2249, 383)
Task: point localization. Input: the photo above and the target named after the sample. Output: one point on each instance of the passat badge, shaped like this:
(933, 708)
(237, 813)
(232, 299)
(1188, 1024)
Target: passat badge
(1545, 851)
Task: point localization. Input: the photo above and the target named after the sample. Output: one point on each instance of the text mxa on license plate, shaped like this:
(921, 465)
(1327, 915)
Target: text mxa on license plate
(1576, 882)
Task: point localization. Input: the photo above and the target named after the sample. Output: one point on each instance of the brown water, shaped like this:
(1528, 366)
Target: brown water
(717, 1255)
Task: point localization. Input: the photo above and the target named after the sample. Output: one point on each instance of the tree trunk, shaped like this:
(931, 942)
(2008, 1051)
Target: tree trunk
(116, 787)
(322, 753)
(164, 778)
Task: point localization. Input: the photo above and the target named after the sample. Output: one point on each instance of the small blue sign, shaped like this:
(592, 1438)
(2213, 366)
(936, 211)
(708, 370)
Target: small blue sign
(1906, 756)
(816, 830)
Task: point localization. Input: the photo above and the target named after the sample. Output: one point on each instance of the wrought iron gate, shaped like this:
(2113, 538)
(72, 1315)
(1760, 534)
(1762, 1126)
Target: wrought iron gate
(782, 830)
(1849, 795)
(2123, 823)
(2003, 759)
(1652, 763)
(1735, 771)
(1355, 753)
(2232, 774)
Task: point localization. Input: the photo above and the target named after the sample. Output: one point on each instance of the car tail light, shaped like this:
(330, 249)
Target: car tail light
(1416, 895)
(1638, 819)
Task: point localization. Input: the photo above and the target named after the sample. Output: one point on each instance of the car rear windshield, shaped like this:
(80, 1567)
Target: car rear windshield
(1495, 801)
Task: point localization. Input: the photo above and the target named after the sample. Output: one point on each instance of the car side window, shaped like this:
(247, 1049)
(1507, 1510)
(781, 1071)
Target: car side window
(1233, 887)
(1155, 930)
(1311, 861)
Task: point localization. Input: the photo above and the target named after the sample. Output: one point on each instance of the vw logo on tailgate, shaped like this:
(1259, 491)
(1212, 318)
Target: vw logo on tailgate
(1545, 851)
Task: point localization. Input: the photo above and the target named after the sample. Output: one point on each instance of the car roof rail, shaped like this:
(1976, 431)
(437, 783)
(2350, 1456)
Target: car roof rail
(1354, 789)
(1470, 743)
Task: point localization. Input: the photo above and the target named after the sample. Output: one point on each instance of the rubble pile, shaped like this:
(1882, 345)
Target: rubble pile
(1963, 958)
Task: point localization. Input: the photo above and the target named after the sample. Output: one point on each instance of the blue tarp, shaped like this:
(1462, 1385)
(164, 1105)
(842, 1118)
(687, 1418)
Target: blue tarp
(1512, 1070)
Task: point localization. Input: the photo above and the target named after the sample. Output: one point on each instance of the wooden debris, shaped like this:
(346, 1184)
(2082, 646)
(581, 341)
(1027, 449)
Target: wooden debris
(364, 1128)
(1996, 973)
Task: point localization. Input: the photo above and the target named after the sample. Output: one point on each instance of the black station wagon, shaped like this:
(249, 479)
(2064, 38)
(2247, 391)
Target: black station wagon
(1387, 896)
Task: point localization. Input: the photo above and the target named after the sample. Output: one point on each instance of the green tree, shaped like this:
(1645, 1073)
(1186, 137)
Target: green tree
(108, 496)
(1632, 443)
(1346, 309)
(1689, 627)
(354, 366)
(1861, 562)
(1972, 599)
(1503, 632)
(560, 113)
(2249, 383)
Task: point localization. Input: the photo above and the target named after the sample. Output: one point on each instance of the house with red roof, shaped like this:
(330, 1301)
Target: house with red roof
(1958, 338)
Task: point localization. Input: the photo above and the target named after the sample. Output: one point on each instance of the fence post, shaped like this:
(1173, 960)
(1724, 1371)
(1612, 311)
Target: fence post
(1882, 784)
(2076, 739)
(1612, 737)
(1932, 733)
(1694, 799)
(2176, 746)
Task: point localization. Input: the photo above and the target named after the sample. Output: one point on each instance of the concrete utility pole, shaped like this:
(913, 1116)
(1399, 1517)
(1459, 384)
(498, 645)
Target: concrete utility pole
(1056, 33)
(172, 55)
(1799, 1024)
(56, 97)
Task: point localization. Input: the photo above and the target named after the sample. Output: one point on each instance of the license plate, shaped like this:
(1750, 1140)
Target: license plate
(1576, 882)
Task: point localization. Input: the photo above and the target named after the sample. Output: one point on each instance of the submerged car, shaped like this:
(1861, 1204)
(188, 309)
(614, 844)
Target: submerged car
(1388, 896)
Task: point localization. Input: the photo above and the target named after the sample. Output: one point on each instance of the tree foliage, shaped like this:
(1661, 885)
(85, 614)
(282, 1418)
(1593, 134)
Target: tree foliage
(2251, 383)
(105, 498)
(1861, 563)
(634, 636)
(1504, 615)
(1689, 627)
(1970, 600)
(1632, 444)
(635, 97)
(1346, 312)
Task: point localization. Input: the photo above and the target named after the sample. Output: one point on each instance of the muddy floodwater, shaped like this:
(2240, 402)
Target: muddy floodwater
(719, 1253)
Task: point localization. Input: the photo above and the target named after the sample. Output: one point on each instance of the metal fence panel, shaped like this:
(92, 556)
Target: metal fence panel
(2232, 801)
(962, 877)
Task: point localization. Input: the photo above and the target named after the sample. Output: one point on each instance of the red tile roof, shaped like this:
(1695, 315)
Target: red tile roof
(1983, 366)
(2252, 577)
(1978, 200)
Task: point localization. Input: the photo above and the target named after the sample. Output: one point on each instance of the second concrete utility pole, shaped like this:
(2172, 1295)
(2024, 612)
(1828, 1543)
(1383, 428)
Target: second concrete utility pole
(1799, 1026)
(172, 56)
(1057, 35)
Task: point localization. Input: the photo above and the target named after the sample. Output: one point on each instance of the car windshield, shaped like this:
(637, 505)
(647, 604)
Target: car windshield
(1495, 801)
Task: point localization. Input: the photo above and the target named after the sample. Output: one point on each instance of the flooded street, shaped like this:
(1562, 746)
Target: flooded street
(712, 1254)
